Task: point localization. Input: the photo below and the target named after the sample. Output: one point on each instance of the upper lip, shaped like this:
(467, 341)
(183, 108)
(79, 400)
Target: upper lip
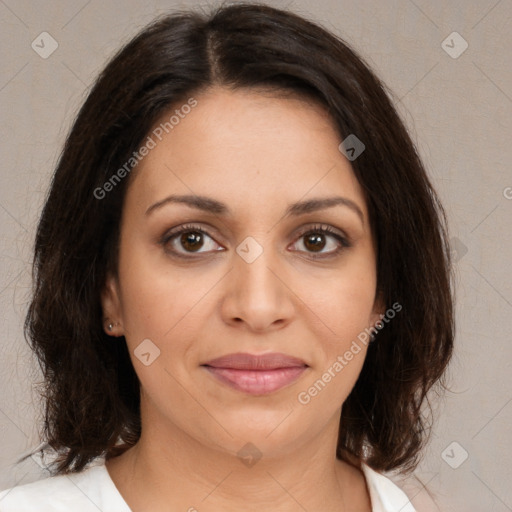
(245, 361)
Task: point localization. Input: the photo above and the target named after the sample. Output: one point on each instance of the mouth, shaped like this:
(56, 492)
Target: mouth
(256, 374)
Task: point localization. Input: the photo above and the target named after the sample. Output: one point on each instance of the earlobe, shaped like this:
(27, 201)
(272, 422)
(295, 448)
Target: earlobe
(111, 307)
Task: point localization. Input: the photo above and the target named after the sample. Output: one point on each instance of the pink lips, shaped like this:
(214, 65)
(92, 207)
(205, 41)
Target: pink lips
(256, 375)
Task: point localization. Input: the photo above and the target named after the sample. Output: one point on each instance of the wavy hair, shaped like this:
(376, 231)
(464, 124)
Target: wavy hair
(90, 389)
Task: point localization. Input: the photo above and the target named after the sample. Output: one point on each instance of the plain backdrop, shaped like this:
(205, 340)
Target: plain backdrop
(457, 102)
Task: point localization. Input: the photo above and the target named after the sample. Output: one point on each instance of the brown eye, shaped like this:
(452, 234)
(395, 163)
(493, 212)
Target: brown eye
(188, 239)
(315, 242)
(321, 237)
(192, 240)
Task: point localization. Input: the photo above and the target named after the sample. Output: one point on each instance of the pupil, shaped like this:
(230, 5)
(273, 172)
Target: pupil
(317, 244)
(191, 240)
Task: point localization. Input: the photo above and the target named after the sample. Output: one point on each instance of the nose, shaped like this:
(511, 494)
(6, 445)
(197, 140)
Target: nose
(259, 293)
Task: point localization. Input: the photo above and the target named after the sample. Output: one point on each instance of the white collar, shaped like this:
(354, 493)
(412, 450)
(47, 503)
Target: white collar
(385, 495)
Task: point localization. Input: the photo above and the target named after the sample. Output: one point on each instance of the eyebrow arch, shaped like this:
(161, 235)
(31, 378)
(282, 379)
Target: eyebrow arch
(313, 205)
(210, 205)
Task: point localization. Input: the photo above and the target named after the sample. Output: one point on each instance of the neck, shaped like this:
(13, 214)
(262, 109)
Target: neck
(173, 471)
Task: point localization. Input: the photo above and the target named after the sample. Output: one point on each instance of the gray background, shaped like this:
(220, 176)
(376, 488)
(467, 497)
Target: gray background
(459, 111)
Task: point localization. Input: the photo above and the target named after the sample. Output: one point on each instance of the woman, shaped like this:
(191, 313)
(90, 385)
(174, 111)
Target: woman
(242, 279)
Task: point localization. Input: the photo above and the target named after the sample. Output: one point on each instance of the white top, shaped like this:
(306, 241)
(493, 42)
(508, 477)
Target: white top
(92, 489)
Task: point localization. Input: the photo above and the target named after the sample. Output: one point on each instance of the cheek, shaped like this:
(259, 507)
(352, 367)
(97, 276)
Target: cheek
(344, 308)
(165, 308)
(343, 302)
(155, 302)
(339, 310)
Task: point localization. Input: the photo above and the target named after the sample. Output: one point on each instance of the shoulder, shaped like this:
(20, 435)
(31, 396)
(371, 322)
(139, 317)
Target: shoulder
(385, 495)
(87, 490)
(51, 493)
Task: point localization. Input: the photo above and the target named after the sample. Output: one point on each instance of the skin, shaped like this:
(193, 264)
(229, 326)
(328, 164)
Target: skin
(256, 153)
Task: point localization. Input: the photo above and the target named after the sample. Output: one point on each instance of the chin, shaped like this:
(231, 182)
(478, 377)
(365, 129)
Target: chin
(273, 433)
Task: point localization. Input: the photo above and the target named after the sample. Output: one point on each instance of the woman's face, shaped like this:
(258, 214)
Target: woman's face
(245, 277)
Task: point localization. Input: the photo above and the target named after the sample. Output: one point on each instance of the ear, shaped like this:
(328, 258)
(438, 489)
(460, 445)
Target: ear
(111, 306)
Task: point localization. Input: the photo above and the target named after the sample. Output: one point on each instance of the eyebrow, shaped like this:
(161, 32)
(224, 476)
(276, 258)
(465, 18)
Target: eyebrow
(207, 204)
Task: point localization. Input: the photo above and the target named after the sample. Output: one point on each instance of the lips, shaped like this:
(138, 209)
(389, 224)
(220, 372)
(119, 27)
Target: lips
(244, 361)
(256, 374)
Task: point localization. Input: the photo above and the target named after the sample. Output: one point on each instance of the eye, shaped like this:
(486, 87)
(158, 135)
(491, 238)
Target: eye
(188, 239)
(314, 241)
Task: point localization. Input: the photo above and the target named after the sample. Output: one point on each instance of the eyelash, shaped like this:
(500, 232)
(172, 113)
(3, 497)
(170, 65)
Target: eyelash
(318, 228)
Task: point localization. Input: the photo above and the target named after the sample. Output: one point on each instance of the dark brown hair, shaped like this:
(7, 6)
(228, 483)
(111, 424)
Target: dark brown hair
(90, 388)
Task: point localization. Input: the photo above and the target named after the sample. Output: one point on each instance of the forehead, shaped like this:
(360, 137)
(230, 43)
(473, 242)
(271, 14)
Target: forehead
(244, 144)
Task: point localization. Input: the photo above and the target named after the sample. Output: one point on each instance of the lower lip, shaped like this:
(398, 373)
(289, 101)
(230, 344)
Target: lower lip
(257, 382)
